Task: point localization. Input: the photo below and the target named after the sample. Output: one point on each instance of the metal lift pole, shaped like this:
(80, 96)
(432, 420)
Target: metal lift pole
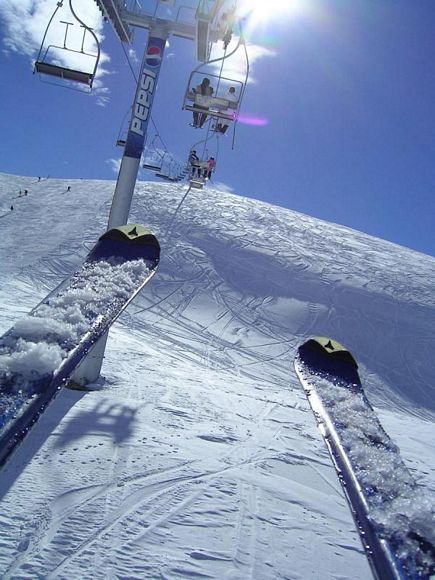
(122, 20)
(89, 370)
(141, 113)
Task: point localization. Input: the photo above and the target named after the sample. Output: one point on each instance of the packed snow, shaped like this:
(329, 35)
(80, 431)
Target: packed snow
(197, 454)
(37, 343)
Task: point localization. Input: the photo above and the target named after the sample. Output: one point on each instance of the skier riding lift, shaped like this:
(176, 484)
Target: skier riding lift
(205, 90)
(194, 163)
(231, 97)
(210, 168)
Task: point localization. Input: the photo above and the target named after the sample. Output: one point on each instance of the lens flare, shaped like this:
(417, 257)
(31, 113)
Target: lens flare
(253, 121)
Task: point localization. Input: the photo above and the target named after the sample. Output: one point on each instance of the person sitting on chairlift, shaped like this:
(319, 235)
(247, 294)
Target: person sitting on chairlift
(211, 164)
(206, 90)
(223, 124)
(194, 163)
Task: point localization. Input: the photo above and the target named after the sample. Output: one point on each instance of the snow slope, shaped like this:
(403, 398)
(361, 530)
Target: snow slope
(198, 455)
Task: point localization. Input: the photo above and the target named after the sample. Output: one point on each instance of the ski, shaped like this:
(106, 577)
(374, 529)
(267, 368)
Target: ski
(40, 353)
(394, 516)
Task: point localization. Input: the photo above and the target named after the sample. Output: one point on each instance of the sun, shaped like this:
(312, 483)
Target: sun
(261, 11)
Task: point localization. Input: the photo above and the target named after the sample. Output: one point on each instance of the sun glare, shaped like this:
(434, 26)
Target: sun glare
(261, 11)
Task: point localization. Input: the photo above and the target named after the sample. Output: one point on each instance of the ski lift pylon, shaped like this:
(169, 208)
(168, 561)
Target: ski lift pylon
(47, 62)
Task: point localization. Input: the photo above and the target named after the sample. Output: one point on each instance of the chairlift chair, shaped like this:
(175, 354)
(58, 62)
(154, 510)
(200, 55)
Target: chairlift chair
(197, 182)
(151, 167)
(169, 174)
(68, 74)
(217, 106)
(47, 62)
(153, 164)
(174, 172)
(167, 177)
(155, 156)
(121, 141)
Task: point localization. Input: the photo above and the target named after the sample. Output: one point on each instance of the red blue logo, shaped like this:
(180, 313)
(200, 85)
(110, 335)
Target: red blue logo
(154, 56)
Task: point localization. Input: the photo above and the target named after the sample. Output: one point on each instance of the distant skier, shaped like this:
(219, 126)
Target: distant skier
(12, 208)
(69, 188)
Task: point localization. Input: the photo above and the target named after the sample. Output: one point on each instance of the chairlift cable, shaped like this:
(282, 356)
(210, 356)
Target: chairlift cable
(160, 137)
(243, 42)
(202, 64)
(220, 72)
(217, 88)
(198, 144)
(129, 62)
(168, 229)
(204, 151)
(217, 149)
(234, 137)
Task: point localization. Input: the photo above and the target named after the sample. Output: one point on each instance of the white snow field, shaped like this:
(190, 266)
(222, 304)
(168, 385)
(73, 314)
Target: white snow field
(197, 454)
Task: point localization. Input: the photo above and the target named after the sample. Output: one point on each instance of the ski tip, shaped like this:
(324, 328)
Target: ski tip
(328, 349)
(133, 233)
(131, 241)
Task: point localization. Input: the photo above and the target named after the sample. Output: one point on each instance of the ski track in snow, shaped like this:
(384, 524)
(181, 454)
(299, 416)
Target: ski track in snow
(198, 456)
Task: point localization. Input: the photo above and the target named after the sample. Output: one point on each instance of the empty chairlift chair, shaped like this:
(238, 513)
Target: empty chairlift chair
(51, 57)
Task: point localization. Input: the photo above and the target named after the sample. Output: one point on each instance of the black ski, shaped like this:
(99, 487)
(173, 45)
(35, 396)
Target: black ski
(40, 353)
(394, 516)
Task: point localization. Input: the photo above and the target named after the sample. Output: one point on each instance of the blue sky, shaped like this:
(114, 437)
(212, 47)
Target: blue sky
(347, 88)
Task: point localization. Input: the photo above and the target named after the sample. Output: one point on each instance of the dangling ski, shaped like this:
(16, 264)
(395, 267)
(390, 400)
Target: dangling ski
(40, 353)
(394, 516)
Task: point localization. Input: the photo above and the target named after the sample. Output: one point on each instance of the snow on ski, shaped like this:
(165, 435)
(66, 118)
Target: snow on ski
(41, 351)
(394, 516)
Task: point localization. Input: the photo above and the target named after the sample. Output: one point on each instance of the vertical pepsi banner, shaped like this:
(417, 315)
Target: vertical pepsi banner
(144, 97)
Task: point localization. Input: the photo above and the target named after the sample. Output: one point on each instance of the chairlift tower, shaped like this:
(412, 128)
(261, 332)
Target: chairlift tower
(196, 20)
